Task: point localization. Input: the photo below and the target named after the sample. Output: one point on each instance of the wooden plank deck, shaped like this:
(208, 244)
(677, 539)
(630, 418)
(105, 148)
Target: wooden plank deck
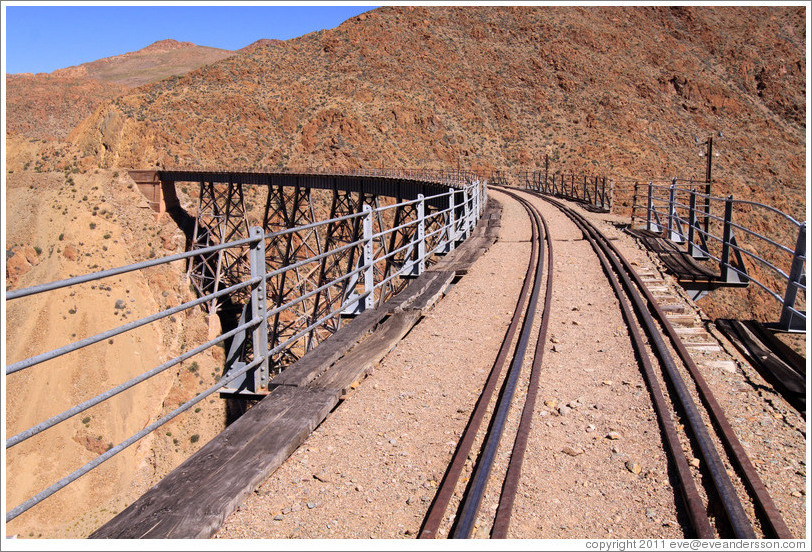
(779, 365)
(677, 261)
(195, 499)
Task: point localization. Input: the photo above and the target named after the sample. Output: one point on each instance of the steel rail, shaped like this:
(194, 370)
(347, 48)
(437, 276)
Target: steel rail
(511, 482)
(466, 516)
(696, 509)
(436, 512)
(733, 507)
(728, 437)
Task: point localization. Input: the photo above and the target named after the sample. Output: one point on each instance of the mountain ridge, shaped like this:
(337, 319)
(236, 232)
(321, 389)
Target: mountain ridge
(49, 105)
(495, 87)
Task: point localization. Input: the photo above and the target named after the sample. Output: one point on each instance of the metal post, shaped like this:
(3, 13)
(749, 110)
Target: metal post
(452, 221)
(726, 235)
(691, 222)
(467, 213)
(595, 199)
(259, 300)
(649, 205)
(708, 183)
(369, 272)
(795, 274)
(471, 211)
(611, 192)
(546, 168)
(672, 211)
(421, 234)
(710, 156)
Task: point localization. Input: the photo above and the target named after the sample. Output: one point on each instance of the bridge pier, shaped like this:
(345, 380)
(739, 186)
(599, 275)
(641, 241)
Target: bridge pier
(160, 195)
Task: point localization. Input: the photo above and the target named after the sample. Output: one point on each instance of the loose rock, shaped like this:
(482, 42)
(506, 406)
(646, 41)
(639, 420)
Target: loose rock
(633, 467)
(572, 451)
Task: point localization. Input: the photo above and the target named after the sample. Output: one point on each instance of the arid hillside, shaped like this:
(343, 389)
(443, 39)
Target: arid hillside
(50, 105)
(615, 90)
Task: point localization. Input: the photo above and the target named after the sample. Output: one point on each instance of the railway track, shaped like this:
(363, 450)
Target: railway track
(683, 402)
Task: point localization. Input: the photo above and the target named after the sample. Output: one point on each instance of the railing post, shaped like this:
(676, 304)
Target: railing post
(467, 212)
(421, 234)
(595, 197)
(726, 235)
(452, 221)
(691, 222)
(796, 272)
(649, 206)
(706, 223)
(611, 193)
(471, 211)
(369, 271)
(672, 213)
(259, 302)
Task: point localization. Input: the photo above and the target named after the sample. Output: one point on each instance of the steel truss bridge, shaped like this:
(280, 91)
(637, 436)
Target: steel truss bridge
(287, 258)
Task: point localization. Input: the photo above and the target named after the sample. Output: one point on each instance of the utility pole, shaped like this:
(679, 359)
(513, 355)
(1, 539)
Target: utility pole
(708, 183)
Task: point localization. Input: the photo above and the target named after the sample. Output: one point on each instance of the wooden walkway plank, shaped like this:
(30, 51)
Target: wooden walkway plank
(195, 498)
(437, 287)
(782, 374)
(314, 362)
(678, 262)
(362, 359)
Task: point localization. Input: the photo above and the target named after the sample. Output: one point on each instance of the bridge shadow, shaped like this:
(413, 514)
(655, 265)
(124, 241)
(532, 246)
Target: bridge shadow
(185, 222)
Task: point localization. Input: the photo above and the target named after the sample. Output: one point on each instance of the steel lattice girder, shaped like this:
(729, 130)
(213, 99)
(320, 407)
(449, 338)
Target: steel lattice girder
(221, 218)
(295, 200)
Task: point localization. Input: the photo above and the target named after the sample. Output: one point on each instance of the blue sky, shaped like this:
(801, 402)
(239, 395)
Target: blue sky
(41, 38)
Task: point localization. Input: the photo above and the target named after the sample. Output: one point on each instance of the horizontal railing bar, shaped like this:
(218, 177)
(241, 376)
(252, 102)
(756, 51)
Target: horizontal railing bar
(81, 407)
(206, 253)
(50, 355)
(743, 229)
(40, 288)
(39, 497)
(764, 262)
(765, 238)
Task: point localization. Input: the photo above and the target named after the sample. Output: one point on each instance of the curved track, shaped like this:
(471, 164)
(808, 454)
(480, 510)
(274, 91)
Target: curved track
(645, 305)
(524, 314)
(721, 514)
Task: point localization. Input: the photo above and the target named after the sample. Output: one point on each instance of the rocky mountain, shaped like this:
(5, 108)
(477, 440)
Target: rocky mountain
(50, 105)
(610, 90)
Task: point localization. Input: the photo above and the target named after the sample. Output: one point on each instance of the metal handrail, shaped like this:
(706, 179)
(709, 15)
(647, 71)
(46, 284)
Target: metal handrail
(453, 228)
(664, 203)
